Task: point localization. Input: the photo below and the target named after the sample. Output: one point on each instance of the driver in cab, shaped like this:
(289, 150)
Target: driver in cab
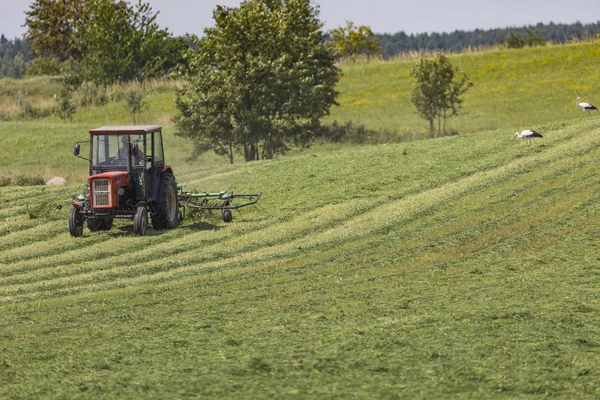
(137, 159)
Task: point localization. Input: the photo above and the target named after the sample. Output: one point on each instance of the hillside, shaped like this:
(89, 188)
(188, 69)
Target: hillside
(511, 88)
(463, 266)
(460, 267)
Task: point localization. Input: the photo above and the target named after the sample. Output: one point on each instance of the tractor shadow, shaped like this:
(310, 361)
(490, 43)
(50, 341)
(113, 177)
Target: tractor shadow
(127, 230)
(200, 226)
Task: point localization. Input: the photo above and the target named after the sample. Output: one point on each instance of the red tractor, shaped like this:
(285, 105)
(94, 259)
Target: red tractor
(128, 178)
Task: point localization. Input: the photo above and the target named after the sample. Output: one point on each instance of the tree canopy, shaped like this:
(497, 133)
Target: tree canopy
(260, 80)
(52, 26)
(351, 41)
(104, 41)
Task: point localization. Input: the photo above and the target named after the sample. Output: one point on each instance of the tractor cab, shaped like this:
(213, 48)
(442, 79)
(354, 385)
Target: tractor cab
(134, 150)
(128, 178)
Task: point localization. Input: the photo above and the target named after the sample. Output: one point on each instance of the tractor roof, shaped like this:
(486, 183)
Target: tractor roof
(126, 129)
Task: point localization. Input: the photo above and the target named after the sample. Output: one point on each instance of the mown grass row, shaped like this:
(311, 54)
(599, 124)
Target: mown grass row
(378, 342)
(309, 198)
(465, 268)
(316, 226)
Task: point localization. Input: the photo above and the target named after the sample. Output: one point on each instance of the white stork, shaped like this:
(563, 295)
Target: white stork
(584, 106)
(527, 134)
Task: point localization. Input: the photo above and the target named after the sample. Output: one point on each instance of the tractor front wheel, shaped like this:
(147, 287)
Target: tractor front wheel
(75, 222)
(165, 208)
(140, 221)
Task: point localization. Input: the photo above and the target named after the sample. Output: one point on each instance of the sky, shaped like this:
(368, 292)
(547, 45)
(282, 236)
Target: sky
(383, 16)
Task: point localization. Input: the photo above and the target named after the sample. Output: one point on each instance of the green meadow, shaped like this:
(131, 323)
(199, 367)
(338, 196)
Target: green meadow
(511, 89)
(465, 266)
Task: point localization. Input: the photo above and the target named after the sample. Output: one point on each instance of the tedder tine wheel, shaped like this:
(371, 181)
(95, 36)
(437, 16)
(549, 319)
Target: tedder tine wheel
(140, 221)
(227, 216)
(75, 222)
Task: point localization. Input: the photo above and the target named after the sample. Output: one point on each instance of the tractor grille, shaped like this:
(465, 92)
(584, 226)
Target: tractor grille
(101, 190)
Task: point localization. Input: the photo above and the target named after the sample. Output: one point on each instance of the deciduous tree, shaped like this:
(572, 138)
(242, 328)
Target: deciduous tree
(123, 43)
(351, 41)
(437, 92)
(104, 41)
(260, 80)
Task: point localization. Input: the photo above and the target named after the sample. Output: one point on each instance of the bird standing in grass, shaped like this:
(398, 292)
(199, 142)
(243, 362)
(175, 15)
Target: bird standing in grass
(584, 106)
(527, 134)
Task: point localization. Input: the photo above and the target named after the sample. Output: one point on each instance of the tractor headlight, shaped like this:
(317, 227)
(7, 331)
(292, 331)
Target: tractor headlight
(121, 191)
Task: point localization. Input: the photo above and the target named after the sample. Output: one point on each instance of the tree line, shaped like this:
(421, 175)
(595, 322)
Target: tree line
(459, 40)
(16, 54)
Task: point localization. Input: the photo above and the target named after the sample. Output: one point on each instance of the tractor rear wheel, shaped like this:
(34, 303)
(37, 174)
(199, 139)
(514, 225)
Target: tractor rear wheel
(140, 221)
(75, 222)
(165, 207)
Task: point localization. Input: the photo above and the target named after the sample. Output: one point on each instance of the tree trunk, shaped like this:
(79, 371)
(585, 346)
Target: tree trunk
(268, 149)
(230, 153)
(249, 152)
(431, 128)
(445, 117)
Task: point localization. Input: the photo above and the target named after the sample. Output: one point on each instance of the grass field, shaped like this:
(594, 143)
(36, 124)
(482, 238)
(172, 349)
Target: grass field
(460, 267)
(467, 267)
(511, 88)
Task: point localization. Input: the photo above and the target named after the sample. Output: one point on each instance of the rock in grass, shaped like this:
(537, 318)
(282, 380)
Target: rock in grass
(57, 180)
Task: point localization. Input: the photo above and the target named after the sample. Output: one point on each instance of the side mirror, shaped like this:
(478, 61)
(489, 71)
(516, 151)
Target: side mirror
(76, 149)
(134, 149)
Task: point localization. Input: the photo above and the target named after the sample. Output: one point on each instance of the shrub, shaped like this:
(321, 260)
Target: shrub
(135, 103)
(92, 95)
(44, 66)
(514, 42)
(28, 110)
(347, 132)
(519, 41)
(65, 107)
(359, 134)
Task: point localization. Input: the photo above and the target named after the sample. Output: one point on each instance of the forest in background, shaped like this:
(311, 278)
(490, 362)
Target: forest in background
(15, 54)
(458, 41)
